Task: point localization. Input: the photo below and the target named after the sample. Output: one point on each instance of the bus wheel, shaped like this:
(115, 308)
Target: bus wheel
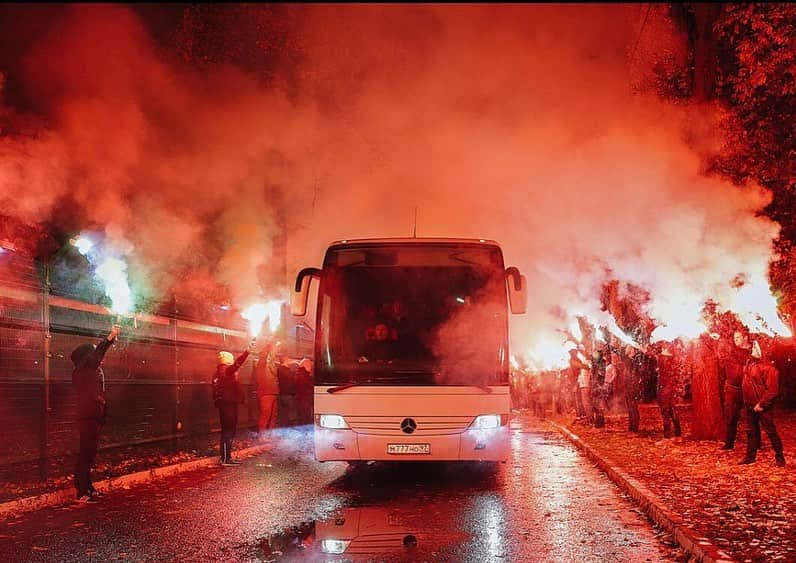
(490, 467)
(357, 465)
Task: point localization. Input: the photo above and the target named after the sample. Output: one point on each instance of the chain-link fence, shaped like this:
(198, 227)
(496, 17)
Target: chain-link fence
(157, 374)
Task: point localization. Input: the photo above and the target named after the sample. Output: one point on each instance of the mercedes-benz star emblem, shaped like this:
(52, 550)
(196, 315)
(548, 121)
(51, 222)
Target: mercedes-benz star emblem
(408, 425)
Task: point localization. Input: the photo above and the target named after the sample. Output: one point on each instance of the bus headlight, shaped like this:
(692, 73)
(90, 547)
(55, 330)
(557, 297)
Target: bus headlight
(334, 421)
(486, 421)
(334, 546)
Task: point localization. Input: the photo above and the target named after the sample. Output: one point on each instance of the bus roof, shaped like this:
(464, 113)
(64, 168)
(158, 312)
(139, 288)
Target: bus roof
(414, 240)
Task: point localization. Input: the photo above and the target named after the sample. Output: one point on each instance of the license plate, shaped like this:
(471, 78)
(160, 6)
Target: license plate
(408, 448)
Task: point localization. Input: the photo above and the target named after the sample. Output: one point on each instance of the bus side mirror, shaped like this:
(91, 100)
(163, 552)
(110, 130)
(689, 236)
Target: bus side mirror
(298, 300)
(518, 291)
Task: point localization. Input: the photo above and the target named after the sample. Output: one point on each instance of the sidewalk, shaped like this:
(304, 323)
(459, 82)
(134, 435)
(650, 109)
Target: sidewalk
(748, 511)
(22, 480)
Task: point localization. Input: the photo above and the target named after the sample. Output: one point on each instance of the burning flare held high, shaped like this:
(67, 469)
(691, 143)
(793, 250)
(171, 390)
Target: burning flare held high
(678, 314)
(113, 273)
(258, 313)
(549, 354)
(749, 298)
(110, 270)
(757, 308)
(83, 243)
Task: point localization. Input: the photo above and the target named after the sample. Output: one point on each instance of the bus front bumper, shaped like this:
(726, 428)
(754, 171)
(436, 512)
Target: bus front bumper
(470, 445)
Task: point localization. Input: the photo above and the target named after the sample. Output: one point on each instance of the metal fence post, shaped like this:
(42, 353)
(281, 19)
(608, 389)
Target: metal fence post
(177, 390)
(45, 415)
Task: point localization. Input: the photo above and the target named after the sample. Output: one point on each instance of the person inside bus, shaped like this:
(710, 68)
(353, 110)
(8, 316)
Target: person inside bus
(405, 330)
(379, 344)
(395, 313)
(361, 320)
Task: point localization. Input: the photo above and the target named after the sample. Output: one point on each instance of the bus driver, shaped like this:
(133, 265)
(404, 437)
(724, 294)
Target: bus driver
(379, 346)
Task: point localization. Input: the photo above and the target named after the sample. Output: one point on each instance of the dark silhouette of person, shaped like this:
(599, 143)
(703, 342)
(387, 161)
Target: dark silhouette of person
(227, 395)
(668, 371)
(265, 374)
(633, 361)
(91, 407)
(733, 396)
(760, 387)
(575, 365)
(379, 347)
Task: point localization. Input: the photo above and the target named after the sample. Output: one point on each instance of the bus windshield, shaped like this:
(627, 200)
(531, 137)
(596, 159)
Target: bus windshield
(412, 314)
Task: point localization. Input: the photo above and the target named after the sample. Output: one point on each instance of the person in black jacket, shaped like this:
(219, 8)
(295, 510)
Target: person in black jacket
(734, 362)
(760, 387)
(91, 407)
(227, 395)
(668, 390)
(632, 366)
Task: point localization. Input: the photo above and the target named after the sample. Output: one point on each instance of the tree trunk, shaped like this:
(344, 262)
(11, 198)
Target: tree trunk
(696, 20)
(705, 49)
(708, 421)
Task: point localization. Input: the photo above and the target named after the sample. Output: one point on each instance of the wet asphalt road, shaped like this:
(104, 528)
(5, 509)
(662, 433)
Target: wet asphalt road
(546, 504)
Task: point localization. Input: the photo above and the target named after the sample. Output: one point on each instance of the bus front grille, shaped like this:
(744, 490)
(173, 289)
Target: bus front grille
(425, 425)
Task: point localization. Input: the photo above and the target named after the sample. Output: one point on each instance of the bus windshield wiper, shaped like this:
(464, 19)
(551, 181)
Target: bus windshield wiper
(345, 386)
(350, 384)
(403, 377)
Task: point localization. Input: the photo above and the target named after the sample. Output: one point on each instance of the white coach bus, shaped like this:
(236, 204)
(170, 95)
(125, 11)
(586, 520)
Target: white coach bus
(412, 349)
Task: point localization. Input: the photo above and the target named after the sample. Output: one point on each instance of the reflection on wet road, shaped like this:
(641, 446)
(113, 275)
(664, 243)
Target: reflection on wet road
(546, 504)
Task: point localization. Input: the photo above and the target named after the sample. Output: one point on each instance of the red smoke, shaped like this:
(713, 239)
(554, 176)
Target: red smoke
(529, 124)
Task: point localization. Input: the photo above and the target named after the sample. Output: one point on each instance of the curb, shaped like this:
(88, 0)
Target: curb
(64, 496)
(697, 546)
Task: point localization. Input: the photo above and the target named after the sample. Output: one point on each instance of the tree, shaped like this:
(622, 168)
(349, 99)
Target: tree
(744, 55)
(755, 78)
(697, 20)
(707, 419)
(259, 38)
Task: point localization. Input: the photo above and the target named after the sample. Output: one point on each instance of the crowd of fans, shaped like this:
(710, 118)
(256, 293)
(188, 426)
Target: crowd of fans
(732, 369)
